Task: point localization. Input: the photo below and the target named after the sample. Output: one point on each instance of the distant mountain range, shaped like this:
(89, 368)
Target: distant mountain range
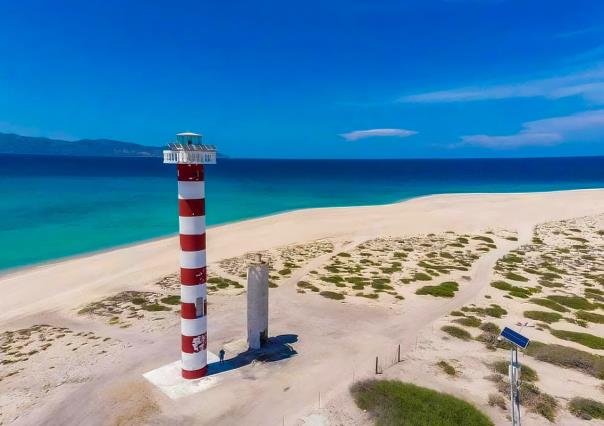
(16, 144)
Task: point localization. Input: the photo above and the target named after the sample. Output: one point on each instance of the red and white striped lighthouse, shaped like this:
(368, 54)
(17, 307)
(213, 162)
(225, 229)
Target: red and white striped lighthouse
(190, 155)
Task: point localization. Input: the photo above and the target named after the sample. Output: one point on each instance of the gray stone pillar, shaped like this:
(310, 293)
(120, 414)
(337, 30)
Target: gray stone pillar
(257, 304)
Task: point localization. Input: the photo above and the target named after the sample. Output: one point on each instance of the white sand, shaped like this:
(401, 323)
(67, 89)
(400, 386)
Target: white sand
(336, 341)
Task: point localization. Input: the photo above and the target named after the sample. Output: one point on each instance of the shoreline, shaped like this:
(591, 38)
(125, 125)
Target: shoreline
(16, 270)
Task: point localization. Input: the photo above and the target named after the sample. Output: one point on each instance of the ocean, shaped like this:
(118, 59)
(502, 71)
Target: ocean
(52, 207)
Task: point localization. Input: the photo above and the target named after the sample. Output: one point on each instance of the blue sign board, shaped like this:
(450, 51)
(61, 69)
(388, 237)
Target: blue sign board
(514, 337)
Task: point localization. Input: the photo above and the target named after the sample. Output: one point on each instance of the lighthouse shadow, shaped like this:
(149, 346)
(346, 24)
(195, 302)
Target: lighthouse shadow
(277, 348)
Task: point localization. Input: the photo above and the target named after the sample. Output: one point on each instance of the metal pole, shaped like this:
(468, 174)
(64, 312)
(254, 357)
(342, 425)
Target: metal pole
(514, 373)
(376, 365)
(399, 352)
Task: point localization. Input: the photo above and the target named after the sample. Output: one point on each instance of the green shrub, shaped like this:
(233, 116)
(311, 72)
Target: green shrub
(171, 300)
(537, 401)
(457, 314)
(495, 311)
(585, 339)
(391, 403)
(446, 289)
(501, 285)
(547, 303)
(154, 307)
(586, 409)
(548, 317)
(447, 368)
(490, 327)
(454, 331)
(307, 286)
(332, 279)
(575, 302)
(381, 286)
(468, 321)
(344, 254)
(421, 276)
(515, 277)
(485, 239)
(368, 295)
(590, 317)
(332, 295)
(564, 356)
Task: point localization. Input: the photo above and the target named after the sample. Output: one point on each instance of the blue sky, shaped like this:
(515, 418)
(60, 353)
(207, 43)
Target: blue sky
(317, 79)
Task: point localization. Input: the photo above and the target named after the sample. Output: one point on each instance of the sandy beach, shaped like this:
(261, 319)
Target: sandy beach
(79, 341)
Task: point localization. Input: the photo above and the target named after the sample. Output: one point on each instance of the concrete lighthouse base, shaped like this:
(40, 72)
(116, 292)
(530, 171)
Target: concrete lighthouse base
(169, 380)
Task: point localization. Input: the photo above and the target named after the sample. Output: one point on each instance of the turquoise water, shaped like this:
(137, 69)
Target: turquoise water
(53, 207)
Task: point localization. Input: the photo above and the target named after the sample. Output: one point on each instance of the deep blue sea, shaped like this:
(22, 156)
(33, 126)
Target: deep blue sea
(51, 207)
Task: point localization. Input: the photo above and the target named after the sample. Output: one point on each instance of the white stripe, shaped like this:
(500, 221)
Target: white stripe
(193, 327)
(193, 225)
(190, 293)
(191, 190)
(193, 259)
(194, 361)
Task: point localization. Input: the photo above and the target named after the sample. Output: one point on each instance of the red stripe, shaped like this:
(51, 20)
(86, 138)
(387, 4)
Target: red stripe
(188, 311)
(190, 172)
(190, 343)
(192, 242)
(188, 208)
(193, 276)
(195, 374)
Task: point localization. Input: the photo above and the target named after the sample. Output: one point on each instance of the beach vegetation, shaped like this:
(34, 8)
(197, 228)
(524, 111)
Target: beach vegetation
(457, 313)
(457, 332)
(516, 277)
(495, 311)
(501, 285)
(470, 321)
(548, 303)
(421, 276)
(483, 238)
(307, 286)
(490, 327)
(445, 289)
(447, 368)
(171, 300)
(548, 317)
(590, 317)
(222, 282)
(564, 356)
(154, 307)
(586, 409)
(332, 295)
(391, 402)
(585, 339)
(368, 295)
(331, 279)
(497, 400)
(575, 302)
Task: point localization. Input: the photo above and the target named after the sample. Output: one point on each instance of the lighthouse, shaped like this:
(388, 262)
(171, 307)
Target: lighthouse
(190, 156)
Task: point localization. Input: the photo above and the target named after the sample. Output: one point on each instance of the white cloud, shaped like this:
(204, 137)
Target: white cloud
(361, 134)
(588, 84)
(586, 125)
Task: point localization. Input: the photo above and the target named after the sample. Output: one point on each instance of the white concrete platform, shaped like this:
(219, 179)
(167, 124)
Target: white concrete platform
(168, 379)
